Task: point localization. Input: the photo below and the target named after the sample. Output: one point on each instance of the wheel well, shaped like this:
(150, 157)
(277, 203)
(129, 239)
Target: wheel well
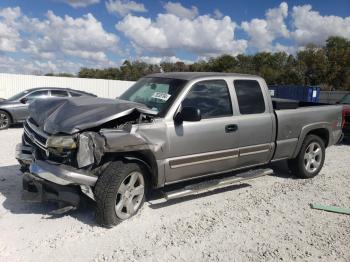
(144, 157)
(11, 118)
(322, 133)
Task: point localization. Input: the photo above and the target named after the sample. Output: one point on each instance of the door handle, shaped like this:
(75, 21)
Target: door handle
(231, 128)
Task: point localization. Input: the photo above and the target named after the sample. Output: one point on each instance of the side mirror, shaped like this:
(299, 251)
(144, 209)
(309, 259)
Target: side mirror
(188, 113)
(23, 100)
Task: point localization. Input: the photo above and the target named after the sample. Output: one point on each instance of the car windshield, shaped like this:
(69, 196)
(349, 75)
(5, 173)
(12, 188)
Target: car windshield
(18, 96)
(345, 100)
(156, 93)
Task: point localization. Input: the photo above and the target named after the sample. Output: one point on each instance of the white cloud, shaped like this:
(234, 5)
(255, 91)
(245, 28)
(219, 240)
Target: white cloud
(30, 66)
(203, 35)
(181, 11)
(311, 27)
(53, 39)
(81, 3)
(82, 37)
(263, 32)
(156, 60)
(9, 34)
(124, 7)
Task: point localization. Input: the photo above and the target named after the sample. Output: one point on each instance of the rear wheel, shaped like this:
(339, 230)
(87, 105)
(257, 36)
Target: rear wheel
(5, 120)
(119, 193)
(310, 159)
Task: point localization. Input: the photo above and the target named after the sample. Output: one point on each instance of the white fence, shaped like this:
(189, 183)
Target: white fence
(11, 84)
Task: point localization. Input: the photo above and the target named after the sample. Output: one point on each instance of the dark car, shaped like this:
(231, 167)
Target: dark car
(345, 101)
(15, 109)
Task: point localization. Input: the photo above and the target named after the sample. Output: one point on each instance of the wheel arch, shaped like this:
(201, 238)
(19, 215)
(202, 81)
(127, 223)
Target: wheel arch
(144, 157)
(322, 130)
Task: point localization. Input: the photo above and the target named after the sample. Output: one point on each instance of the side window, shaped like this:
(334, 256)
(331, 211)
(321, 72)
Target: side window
(211, 97)
(59, 93)
(250, 98)
(73, 94)
(37, 94)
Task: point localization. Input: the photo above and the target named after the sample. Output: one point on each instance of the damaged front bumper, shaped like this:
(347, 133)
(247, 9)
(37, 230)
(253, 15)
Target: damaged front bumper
(54, 182)
(61, 174)
(23, 154)
(49, 181)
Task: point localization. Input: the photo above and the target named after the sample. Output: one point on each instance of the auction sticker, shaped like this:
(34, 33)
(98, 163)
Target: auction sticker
(161, 96)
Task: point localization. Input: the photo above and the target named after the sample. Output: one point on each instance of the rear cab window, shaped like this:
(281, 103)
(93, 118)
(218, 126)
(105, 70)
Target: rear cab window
(250, 97)
(212, 97)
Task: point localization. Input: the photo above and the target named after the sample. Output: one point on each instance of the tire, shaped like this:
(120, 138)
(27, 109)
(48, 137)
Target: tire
(5, 120)
(310, 158)
(115, 193)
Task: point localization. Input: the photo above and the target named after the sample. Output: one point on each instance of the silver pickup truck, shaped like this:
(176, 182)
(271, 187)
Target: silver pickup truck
(167, 128)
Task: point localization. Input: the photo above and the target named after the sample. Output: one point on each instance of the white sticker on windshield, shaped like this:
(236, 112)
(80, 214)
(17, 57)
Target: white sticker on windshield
(161, 96)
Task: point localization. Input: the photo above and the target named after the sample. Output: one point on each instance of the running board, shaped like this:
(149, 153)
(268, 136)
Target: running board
(214, 184)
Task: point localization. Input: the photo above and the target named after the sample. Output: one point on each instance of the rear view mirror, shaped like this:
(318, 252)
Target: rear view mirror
(187, 113)
(23, 100)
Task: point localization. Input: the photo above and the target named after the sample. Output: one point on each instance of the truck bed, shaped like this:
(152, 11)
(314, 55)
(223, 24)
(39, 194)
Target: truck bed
(294, 125)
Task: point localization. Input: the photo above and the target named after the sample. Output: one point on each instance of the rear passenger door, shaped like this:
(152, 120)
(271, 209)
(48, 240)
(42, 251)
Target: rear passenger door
(206, 146)
(255, 123)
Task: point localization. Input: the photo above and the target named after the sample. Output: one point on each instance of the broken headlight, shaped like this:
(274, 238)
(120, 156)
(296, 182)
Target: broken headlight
(66, 142)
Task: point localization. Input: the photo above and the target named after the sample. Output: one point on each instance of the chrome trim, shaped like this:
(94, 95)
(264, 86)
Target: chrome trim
(215, 173)
(31, 136)
(203, 158)
(61, 174)
(254, 152)
(37, 130)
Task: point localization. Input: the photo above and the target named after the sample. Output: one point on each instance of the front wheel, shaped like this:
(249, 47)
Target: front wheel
(310, 159)
(119, 192)
(5, 120)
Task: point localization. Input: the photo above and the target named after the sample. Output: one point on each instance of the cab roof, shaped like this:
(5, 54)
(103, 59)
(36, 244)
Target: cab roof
(195, 75)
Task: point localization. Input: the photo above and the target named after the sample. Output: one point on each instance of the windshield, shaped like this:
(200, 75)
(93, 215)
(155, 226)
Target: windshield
(345, 100)
(156, 93)
(18, 96)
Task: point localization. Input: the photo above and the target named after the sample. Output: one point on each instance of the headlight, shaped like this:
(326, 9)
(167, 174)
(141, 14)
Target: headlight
(66, 142)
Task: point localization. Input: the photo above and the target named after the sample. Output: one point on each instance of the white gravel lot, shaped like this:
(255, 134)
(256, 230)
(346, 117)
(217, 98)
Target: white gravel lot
(268, 221)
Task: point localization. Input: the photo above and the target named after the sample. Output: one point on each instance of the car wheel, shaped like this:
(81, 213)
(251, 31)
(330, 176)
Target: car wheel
(310, 159)
(119, 192)
(5, 120)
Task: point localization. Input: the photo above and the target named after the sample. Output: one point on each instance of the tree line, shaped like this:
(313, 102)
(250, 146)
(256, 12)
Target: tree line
(327, 66)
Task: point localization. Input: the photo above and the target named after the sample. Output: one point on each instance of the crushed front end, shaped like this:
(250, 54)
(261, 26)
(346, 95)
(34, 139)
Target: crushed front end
(50, 171)
(62, 156)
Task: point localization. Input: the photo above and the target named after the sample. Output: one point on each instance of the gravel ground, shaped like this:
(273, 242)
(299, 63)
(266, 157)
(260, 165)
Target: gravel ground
(267, 220)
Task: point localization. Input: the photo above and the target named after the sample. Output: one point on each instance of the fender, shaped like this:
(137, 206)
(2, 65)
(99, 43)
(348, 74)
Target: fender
(309, 128)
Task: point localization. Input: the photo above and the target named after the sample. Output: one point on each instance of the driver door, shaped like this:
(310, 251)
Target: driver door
(207, 146)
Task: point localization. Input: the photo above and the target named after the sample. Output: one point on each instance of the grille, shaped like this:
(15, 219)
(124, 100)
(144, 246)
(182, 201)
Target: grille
(34, 136)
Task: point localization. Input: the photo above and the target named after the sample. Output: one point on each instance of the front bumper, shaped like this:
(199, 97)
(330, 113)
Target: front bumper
(54, 172)
(50, 181)
(24, 154)
(61, 174)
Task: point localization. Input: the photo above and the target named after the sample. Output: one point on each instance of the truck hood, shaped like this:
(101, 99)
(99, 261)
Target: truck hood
(69, 116)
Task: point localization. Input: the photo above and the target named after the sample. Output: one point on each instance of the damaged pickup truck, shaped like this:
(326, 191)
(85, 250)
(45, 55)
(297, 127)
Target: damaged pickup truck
(166, 128)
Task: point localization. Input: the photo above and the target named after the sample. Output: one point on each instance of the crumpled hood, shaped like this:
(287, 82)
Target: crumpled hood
(72, 115)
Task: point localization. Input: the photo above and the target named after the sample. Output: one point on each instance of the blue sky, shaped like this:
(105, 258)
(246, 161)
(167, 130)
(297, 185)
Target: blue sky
(64, 35)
